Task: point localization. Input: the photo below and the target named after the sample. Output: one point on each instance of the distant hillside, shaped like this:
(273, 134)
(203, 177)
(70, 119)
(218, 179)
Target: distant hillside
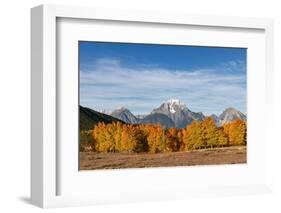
(88, 118)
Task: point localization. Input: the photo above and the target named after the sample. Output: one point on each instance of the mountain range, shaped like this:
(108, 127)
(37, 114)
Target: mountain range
(172, 113)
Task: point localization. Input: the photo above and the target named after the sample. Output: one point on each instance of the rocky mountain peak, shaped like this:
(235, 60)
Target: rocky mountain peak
(171, 106)
(125, 115)
(231, 114)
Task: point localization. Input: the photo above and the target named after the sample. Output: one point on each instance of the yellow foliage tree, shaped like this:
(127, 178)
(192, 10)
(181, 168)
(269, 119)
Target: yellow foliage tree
(192, 136)
(203, 134)
(212, 136)
(236, 131)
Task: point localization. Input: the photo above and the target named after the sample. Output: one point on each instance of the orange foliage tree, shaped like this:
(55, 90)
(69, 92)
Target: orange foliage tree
(174, 139)
(156, 139)
(236, 132)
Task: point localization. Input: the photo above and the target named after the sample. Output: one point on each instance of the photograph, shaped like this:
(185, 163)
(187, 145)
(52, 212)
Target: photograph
(161, 105)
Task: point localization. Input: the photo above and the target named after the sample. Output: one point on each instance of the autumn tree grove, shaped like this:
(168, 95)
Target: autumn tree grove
(128, 138)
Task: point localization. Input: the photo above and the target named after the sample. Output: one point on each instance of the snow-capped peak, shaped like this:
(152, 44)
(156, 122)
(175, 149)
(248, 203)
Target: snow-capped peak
(173, 105)
(174, 101)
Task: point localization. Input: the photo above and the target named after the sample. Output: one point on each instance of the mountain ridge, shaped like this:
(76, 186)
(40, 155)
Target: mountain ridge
(172, 113)
(88, 118)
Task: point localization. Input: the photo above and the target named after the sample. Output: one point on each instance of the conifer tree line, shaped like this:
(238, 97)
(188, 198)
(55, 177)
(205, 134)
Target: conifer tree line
(152, 138)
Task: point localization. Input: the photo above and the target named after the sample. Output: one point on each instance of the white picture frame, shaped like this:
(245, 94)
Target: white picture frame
(45, 167)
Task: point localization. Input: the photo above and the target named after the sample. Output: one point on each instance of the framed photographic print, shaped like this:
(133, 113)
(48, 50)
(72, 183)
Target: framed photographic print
(129, 106)
(124, 124)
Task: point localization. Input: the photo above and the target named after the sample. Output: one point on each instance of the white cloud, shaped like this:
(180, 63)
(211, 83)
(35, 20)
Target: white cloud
(108, 85)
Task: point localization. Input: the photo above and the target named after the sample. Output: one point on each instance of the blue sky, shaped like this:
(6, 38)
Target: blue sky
(142, 76)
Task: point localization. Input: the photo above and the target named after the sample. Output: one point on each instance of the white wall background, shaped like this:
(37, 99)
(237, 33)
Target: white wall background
(15, 103)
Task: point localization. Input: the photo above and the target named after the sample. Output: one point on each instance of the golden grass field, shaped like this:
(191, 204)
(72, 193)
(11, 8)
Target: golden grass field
(227, 155)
